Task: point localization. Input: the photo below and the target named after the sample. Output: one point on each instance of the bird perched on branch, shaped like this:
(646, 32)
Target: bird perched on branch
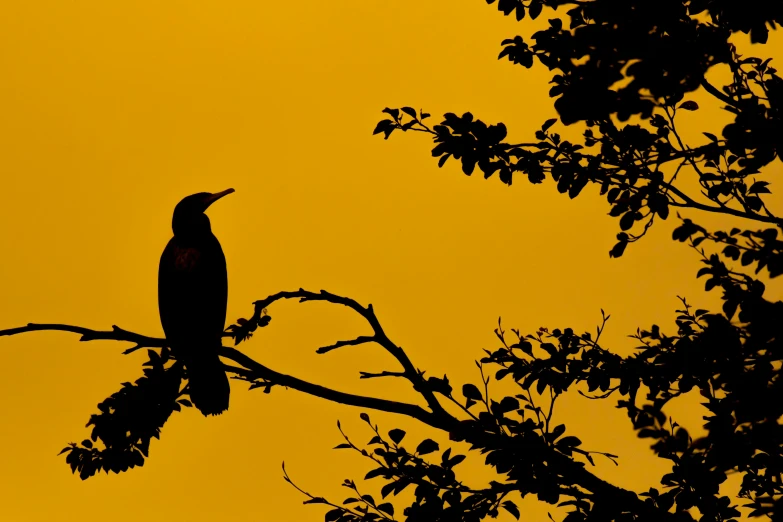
(192, 300)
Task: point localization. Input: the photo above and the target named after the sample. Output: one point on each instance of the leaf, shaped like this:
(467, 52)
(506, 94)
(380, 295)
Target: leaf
(569, 441)
(364, 417)
(315, 500)
(754, 203)
(394, 113)
(580, 182)
(382, 126)
(377, 472)
(396, 435)
(342, 446)
(547, 124)
(456, 459)
(506, 6)
(388, 488)
(731, 252)
(618, 249)
(535, 8)
(468, 165)
(427, 446)
(689, 105)
(511, 508)
(386, 508)
(470, 391)
(627, 221)
(759, 187)
(509, 404)
(410, 111)
(446, 455)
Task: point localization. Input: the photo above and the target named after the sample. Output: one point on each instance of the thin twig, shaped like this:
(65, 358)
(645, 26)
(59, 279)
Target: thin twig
(370, 375)
(380, 337)
(352, 342)
(87, 334)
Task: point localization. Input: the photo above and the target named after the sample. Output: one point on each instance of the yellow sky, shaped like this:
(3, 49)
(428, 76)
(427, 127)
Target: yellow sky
(113, 111)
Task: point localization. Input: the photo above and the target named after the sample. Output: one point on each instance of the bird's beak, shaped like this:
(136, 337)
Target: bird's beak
(214, 197)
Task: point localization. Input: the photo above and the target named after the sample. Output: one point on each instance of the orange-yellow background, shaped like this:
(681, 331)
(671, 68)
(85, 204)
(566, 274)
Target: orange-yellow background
(110, 112)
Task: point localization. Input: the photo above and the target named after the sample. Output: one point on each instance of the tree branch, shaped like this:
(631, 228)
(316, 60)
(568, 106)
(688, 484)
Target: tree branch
(258, 370)
(251, 370)
(438, 418)
(370, 375)
(715, 92)
(573, 472)
(353, 342)
(690, 203)
(380, 337)
(116, 334)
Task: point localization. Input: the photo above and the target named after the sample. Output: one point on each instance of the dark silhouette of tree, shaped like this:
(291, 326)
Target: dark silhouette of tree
(612, 60)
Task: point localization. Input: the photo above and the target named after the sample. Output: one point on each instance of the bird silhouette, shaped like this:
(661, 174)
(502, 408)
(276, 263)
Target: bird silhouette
(192, 300)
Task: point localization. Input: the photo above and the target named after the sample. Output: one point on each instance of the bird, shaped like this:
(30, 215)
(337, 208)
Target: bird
(192, 301)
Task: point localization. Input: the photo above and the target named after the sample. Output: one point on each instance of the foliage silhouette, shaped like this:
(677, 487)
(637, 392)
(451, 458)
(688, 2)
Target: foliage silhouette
(129, 419)
(665, 52)
(612, 61)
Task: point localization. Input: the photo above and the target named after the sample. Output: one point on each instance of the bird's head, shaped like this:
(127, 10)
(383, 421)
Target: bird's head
(189, 217)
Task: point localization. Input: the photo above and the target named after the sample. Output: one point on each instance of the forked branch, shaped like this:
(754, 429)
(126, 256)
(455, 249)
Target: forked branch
(254, 371)
(249, 369)
(379, 336)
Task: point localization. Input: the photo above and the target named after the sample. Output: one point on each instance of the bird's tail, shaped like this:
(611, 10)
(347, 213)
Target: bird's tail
(207, 381)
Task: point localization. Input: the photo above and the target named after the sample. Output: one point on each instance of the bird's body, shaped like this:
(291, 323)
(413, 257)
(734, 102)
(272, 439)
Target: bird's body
(192, 299)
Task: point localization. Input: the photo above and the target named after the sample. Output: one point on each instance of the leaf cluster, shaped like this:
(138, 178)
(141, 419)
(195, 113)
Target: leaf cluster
(617, 60)
(437, 493)
(129, 419)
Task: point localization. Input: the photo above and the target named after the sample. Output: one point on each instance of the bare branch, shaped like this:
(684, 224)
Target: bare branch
(380, 337)
(251, 370)
(369, 375)
(258, 370)
(353, 342)
(715, 92)
(116, 334)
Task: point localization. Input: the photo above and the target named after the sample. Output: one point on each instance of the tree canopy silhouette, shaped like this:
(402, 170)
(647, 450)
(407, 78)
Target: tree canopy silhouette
(623, 70)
